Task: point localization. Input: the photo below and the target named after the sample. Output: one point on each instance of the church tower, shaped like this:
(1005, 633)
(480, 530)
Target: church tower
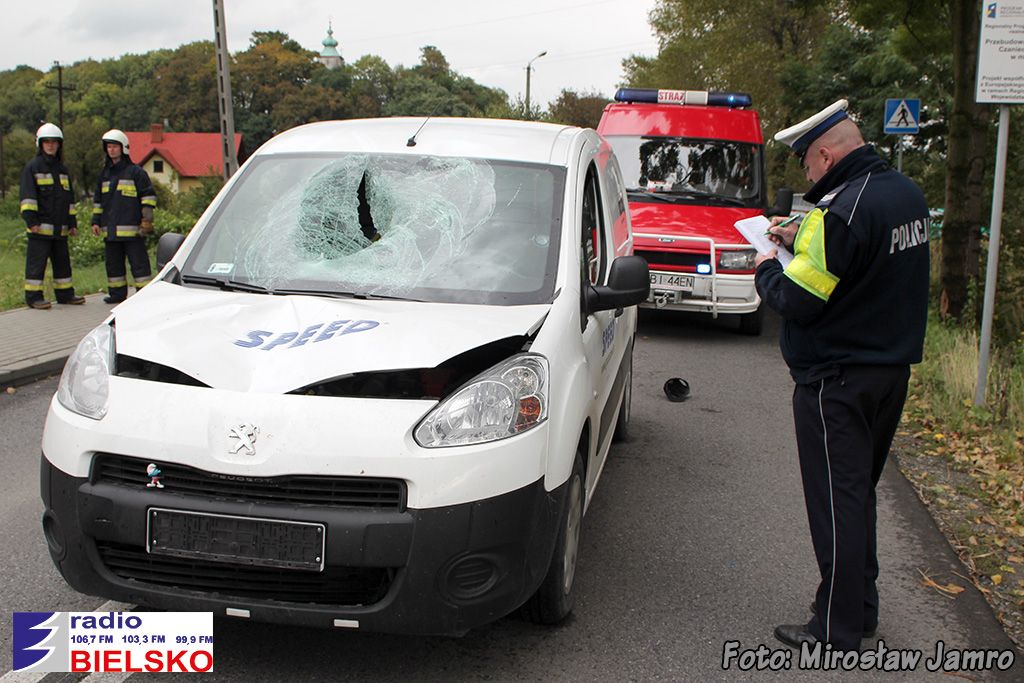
(329, 56)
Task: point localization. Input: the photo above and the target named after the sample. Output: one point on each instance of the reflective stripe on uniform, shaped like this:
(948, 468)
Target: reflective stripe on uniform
(62, 283)
(126, 230)
(65, 182)
(149, 200)
(117, 282)
(105, 186)
(29, 205)
(127, 188)
(44, 179)
(33, 285)
(97, 208)
(73, 210)
(141, 282)
(808, 268)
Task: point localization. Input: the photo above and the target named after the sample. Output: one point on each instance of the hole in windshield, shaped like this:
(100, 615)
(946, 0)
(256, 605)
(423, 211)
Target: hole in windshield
(412, 227)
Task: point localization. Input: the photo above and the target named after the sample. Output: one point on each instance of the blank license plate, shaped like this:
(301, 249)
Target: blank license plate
(239, 540)
(679, 282)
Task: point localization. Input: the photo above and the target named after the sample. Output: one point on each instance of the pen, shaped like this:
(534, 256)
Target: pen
(782, 224)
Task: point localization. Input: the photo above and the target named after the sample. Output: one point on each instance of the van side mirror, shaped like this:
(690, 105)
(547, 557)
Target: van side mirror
(628, 285)
(167, 247)
(783, 203)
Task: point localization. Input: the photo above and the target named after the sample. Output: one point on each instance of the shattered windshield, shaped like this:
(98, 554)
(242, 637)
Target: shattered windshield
(403, 226)
(691, 170)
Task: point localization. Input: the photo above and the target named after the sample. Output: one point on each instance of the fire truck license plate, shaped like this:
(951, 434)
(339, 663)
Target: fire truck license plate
(683, 283)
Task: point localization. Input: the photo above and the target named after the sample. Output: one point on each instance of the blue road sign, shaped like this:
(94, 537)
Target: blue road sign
(902, 116)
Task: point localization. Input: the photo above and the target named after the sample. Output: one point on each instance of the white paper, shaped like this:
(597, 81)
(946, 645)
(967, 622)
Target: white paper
(753, 230)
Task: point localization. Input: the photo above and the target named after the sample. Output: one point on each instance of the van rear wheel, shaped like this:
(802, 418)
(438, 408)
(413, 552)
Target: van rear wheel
(555, 597)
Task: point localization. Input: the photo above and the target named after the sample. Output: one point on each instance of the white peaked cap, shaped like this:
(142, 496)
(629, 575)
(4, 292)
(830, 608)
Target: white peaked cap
(801, 135)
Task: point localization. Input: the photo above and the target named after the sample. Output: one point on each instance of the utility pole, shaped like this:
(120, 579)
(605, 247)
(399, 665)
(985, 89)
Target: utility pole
(529, 68)
(60, 88)
(227, 112)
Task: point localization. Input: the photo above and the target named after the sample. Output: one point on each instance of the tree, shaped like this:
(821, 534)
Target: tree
(575, 109)
(186, 89)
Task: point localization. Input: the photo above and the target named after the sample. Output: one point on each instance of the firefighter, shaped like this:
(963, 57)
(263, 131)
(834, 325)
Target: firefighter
(123, 206)
(48, 207)
(854, 303)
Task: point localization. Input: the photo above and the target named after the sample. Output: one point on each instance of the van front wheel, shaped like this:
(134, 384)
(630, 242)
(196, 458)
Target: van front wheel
(751, 323)
(554, 600)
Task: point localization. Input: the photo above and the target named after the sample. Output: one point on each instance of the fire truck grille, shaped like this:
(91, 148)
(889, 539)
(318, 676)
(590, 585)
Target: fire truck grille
(673, 258)
(358, 492)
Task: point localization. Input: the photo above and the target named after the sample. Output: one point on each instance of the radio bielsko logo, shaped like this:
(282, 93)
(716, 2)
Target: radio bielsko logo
(40, 641)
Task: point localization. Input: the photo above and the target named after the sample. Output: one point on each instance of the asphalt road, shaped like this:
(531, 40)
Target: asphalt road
(698, 536)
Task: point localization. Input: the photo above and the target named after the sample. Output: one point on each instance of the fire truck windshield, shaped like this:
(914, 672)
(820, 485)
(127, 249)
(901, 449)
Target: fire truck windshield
(690, 170)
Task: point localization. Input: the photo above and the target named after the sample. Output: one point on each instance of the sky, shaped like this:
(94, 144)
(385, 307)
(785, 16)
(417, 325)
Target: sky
(491, 42)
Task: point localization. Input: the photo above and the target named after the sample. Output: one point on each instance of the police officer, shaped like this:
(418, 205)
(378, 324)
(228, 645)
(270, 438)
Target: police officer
(854, 306)
(48, 207)
(123, 209)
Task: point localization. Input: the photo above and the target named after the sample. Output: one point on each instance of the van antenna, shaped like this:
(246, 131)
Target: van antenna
(411, 142)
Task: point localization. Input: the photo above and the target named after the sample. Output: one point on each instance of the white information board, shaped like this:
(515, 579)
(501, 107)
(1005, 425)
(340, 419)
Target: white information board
(1001, 53)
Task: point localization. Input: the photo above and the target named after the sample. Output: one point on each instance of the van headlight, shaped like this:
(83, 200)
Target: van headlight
(508, 399)
(737, 260)
(84, 385)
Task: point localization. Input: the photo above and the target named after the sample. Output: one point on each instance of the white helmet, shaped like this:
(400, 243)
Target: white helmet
(48, 131)
(114, 135)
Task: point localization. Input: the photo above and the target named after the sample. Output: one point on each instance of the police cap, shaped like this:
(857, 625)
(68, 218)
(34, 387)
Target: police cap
(801, 135)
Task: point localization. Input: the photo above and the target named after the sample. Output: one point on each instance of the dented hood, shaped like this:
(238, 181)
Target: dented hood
(255, 342)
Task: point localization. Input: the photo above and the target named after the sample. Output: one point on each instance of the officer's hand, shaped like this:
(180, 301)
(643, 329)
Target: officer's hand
(761, 258)
(96, 230)
(33, 228)
(73, 231)
(146, 226)
(784, 235)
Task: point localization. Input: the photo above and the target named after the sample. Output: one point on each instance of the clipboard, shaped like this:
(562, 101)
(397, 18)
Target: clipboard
(753, 230)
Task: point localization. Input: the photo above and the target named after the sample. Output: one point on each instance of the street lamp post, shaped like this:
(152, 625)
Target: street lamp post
(529, 68)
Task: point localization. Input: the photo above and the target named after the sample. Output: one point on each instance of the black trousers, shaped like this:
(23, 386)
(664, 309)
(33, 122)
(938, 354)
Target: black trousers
(37, 252)
(844, 428)
(135, 250)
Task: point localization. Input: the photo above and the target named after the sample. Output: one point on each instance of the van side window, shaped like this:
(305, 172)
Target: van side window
(594, 253)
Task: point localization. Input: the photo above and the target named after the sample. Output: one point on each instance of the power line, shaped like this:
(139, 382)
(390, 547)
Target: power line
(563, 57)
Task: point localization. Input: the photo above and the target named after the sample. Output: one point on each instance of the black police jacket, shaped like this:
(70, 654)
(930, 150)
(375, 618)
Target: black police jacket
(122, 190)
(47, 197)
(856, 292)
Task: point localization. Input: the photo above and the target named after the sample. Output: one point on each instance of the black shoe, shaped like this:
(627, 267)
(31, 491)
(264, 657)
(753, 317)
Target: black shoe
(795, 635)
(73, 301)
(39, 305)
(868, 633)
(112, 300)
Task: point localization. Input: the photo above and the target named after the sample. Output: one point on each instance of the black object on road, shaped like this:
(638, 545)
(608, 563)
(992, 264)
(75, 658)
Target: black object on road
(677, 389)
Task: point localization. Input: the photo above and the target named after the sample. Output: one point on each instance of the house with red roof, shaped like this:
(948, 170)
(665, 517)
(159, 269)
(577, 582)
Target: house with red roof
(179, 160)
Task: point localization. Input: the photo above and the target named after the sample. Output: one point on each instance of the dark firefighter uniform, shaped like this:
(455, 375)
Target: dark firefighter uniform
(854, 303)
(48, 200)
(124, 196)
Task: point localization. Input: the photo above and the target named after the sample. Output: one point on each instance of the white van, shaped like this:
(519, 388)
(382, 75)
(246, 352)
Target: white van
(374, 388)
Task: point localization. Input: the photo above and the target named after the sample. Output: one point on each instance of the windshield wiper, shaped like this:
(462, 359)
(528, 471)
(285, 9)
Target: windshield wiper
(225, 284)
(336, 294)
(697, 194)
(649, 195)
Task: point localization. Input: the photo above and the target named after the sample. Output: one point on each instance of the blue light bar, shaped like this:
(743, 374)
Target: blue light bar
(714, 99)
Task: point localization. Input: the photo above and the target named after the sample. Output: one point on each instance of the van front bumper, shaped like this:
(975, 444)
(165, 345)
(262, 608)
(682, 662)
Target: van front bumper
(441, 570)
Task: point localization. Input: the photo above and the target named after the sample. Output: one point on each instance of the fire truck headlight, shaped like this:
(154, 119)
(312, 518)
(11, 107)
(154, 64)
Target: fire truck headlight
(737, 260)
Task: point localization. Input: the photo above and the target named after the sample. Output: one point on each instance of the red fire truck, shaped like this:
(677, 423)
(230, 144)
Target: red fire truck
(693, 164)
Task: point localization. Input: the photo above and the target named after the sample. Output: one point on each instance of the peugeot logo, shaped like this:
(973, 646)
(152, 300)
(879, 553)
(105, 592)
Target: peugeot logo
(243, 436)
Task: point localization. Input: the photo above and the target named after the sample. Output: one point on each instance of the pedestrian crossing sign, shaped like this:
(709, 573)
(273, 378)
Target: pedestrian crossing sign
(902, 116)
